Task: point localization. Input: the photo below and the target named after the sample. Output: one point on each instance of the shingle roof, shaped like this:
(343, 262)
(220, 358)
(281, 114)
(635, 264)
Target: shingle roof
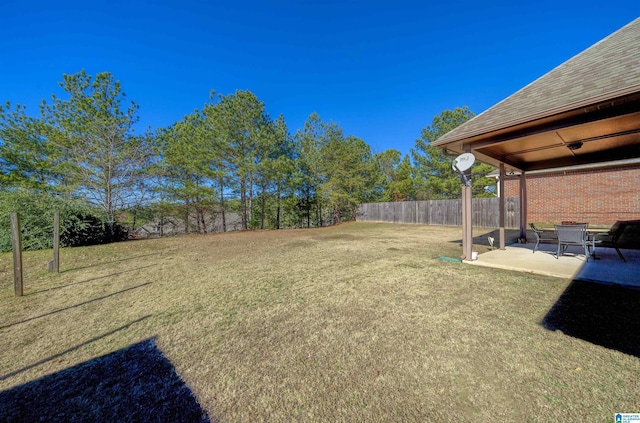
(606, 70)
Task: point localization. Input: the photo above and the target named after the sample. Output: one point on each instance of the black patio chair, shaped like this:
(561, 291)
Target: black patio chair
(624, 234)
(572, 235)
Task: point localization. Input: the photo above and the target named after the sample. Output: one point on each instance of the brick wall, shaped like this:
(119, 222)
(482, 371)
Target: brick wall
(601, 196)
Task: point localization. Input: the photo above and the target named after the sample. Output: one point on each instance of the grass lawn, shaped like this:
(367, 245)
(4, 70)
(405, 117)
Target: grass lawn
(358, 322)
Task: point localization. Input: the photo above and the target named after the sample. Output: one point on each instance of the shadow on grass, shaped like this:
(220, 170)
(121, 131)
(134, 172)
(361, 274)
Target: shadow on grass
(75, 305)
(135, 384)
(603, 314)
(56, 356)
(510, 236)
(109, 262)
(89, 280)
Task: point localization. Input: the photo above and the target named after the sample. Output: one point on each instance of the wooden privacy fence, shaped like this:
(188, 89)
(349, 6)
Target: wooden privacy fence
(442, 212)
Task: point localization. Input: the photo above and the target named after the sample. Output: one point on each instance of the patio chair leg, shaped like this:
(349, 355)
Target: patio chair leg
(620, 254)
(536, 247)
(586, 252)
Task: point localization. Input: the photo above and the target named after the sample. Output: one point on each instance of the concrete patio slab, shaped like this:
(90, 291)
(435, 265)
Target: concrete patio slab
(607, 268)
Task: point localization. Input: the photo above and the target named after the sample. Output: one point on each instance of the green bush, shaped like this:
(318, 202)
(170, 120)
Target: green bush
(87, 229)
(79, 224)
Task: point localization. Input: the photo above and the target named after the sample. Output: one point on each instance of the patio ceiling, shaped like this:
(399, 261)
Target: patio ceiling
(586, 110)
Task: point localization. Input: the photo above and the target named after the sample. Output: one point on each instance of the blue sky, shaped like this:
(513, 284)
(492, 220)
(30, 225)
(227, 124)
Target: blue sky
(382, 70)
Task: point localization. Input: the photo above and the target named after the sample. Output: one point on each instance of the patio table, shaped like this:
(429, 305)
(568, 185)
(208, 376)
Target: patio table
(592, 234)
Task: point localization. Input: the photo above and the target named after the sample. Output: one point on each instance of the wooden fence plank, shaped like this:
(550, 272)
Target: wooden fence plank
(441, 212)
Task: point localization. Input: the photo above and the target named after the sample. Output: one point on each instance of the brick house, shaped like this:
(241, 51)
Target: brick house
(581, 193)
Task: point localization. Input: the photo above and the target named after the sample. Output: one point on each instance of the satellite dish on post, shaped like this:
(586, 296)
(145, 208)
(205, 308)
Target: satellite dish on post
(462, 164)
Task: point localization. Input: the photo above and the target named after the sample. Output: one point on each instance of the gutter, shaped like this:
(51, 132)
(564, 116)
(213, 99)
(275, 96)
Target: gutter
(591, 166)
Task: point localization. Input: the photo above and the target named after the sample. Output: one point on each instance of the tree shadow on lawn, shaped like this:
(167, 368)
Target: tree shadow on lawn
(134, 384)
(603, 314)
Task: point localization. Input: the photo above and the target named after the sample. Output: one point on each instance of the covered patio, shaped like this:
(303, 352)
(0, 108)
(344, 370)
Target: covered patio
(607, 268)
(585, 111)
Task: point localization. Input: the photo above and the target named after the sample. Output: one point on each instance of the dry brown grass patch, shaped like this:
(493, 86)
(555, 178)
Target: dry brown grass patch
(357, 322)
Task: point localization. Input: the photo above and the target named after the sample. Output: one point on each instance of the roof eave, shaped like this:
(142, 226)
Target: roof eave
(593, 103)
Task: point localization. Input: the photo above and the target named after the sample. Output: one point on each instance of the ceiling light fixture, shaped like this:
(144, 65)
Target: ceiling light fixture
(574, 146)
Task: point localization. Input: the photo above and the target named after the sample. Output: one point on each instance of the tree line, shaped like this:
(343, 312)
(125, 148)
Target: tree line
(228, 156)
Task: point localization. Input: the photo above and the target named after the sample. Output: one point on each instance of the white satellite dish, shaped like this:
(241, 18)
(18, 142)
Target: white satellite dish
(463, 162)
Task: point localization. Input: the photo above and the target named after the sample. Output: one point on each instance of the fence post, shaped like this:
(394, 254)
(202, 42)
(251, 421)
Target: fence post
(54, 266)
(16, 242)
